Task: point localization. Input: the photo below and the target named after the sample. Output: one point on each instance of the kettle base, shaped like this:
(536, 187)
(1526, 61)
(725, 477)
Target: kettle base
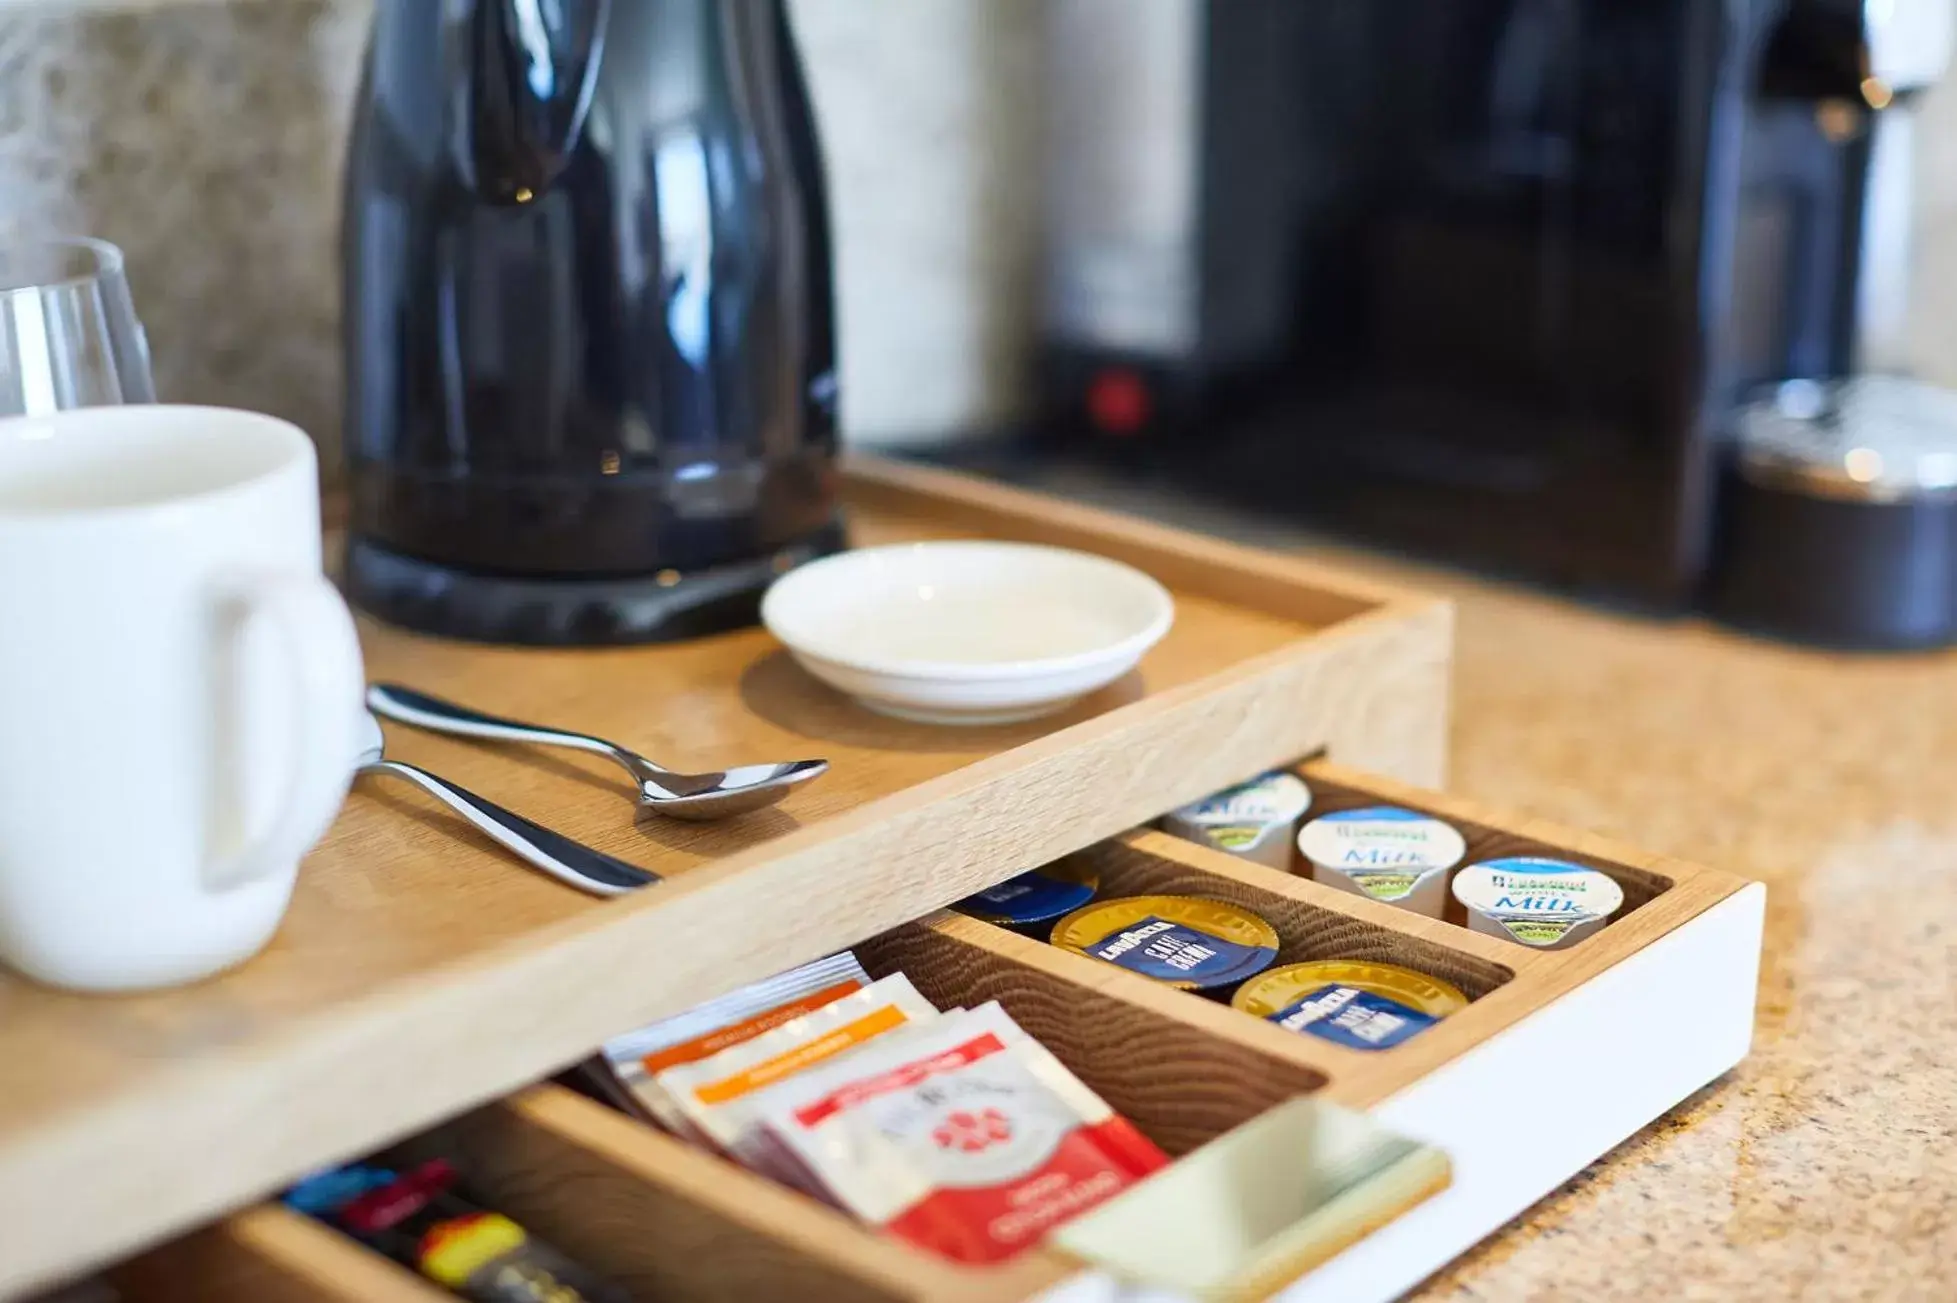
(563, 612)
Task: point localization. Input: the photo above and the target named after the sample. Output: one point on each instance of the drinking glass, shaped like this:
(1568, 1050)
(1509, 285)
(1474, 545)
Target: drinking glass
(68, 330)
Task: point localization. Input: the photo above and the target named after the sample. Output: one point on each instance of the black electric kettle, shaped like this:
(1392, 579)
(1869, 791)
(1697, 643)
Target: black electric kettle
(589, 318)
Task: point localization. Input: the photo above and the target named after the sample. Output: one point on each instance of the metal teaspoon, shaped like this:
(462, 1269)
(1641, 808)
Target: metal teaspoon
(562, 858)
(679, 796)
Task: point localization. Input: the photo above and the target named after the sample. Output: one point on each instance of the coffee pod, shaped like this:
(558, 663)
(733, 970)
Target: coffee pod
(1386, 853)
(1354, 1003)
(1188, 942)
(1252, 821)
(1031, 902)
(1545, 903)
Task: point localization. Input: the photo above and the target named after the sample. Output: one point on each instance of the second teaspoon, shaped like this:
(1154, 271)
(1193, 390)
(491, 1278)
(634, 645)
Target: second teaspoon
(715, 795)
(561, 857)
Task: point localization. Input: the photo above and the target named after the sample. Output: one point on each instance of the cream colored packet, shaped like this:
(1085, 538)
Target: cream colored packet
(715, 1096)
(636, 1058)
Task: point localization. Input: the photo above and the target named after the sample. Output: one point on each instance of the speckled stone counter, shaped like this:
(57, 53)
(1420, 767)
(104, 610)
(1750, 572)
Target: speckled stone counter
(1825, 1167)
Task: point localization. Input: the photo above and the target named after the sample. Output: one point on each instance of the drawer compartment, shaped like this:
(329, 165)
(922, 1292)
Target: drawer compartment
(1312, 921)
(670, 1221)
(1334, 788)
(1582, 1037)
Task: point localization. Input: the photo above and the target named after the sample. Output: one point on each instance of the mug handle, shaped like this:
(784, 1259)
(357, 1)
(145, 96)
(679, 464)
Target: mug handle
(327, 679)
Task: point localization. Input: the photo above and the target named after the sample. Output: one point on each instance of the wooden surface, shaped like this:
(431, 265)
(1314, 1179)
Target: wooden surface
(269, 1255)
(421, 971)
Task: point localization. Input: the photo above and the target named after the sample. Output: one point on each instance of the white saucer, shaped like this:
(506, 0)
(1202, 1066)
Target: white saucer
(967, 632)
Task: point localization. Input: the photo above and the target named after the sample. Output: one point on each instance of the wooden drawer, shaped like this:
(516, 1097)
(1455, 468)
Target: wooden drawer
(1558, 1057)
(669, 1221)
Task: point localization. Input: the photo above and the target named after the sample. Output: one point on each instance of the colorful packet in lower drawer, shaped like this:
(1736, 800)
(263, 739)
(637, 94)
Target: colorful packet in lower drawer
(715, 1097)
(419, 1219)
(638, 1057)
(966, 1137)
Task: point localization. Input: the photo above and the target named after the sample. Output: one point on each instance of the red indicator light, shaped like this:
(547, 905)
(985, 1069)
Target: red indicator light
(1118, 401)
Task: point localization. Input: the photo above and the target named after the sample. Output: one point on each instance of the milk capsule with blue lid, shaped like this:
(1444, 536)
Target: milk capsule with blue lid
(1535, 901)
(1254, 820)
(1398, 856)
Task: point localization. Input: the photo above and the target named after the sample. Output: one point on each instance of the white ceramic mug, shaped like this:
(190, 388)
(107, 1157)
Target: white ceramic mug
(180, 690)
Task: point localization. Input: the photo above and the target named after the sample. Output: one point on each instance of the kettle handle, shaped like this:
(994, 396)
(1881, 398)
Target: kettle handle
(521, 75)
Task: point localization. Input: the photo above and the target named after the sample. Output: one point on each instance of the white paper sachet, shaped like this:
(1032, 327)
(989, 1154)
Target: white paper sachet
(715, 1096)
(965, 1137)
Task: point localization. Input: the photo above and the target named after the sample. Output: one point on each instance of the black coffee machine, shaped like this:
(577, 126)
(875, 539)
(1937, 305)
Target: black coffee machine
(590, 343)
(1498, 281)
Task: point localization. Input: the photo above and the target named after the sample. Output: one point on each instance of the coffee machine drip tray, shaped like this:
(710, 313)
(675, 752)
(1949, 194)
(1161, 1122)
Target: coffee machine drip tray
(585, 611)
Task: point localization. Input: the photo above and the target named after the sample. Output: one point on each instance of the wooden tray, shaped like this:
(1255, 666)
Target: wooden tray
(421, 971)
(1559, 1056)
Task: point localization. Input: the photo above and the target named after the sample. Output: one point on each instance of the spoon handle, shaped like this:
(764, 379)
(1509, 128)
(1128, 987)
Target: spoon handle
(407, 706)
(562, 858)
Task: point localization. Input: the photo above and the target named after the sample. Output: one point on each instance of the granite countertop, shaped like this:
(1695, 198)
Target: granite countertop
(1824, 1167)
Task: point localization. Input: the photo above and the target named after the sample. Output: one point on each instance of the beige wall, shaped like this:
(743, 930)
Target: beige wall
(204, 137)
(1933, 307)
(931, 118)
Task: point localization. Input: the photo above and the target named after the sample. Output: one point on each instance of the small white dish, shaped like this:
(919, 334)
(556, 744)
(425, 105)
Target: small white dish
(967, 632)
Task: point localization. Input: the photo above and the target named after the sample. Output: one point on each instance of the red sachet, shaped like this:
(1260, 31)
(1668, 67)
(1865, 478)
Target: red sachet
(966, 1137)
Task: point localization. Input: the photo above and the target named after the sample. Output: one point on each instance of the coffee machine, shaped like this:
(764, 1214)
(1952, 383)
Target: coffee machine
(1490, 280)
(1836, 518)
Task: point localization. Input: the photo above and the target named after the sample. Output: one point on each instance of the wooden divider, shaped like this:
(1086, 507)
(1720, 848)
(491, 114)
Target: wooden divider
(269, 1255)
